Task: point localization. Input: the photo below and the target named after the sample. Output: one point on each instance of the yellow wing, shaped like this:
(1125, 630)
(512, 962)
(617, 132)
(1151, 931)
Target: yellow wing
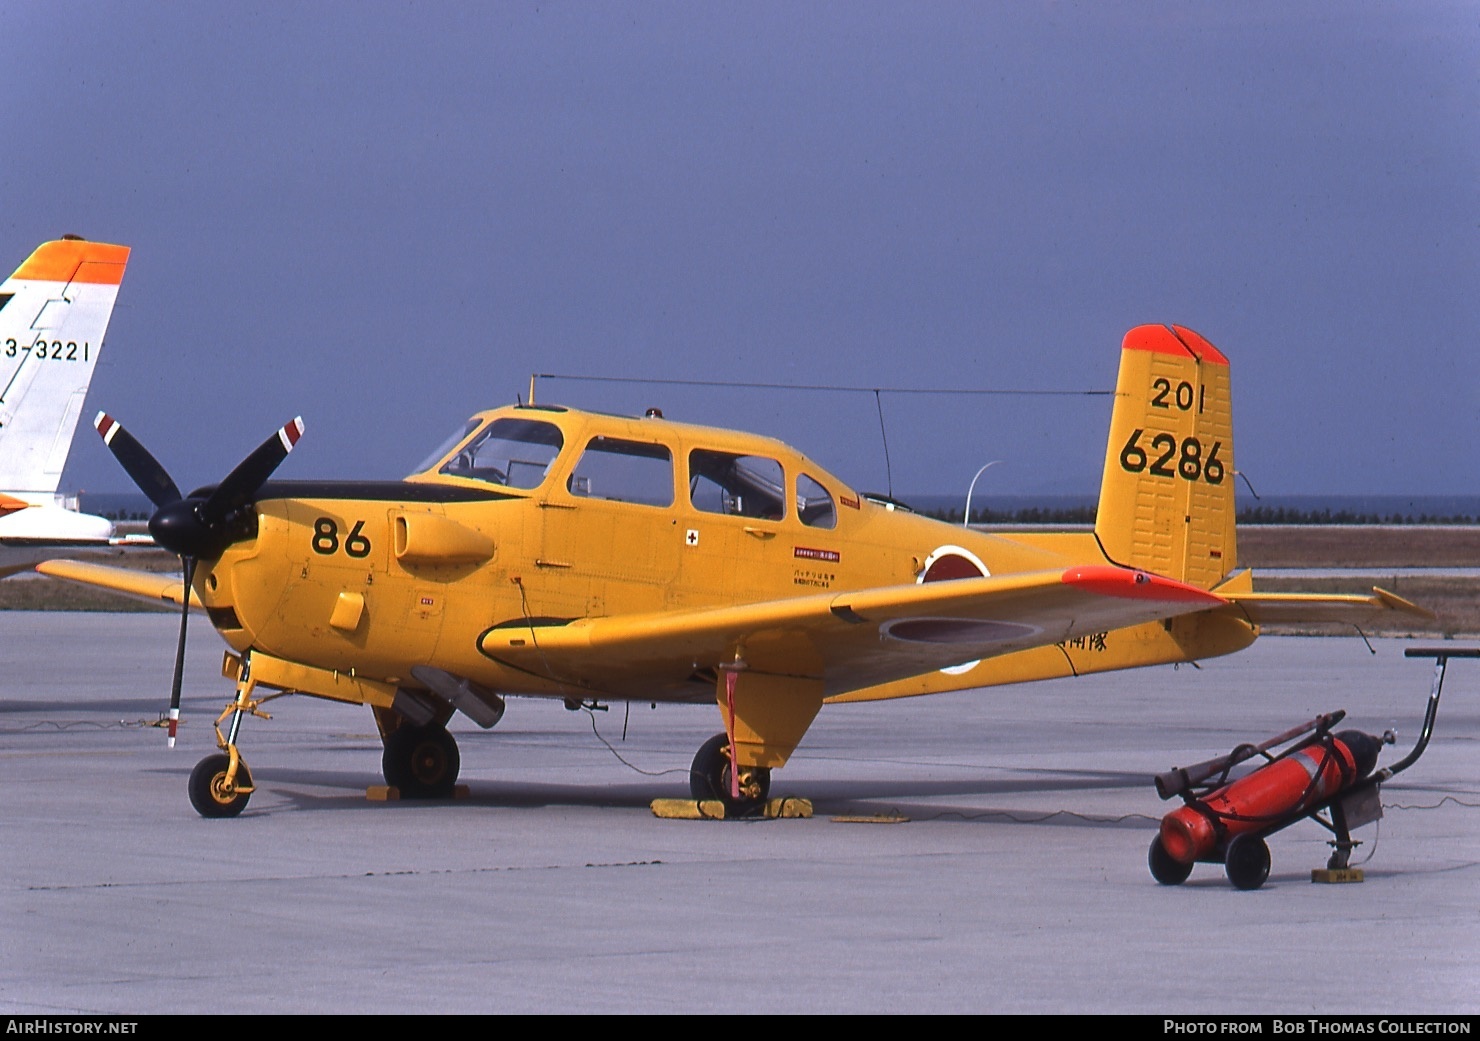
(848, 640)
(144, 585)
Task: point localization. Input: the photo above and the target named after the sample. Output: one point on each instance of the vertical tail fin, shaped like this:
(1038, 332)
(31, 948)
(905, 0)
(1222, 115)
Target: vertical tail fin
(53, 313)
(1166, 501)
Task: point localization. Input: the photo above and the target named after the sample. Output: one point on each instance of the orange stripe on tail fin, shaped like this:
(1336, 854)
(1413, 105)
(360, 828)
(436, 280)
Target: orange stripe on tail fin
(75, 260)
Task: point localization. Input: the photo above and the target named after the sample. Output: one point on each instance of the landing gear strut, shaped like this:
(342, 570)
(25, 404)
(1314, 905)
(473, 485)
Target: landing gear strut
(421, 761)
(221, 784)
(709, 778)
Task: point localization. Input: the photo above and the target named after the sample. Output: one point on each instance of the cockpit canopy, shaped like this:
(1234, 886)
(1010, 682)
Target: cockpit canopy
(515, 453)
(620, 460)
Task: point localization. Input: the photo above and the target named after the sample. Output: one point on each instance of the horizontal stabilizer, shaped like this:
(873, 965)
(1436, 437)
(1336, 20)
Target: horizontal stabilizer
(1310, 608)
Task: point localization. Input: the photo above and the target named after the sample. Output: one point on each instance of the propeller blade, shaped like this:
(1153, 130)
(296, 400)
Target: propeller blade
(136, 461)
(189, 575)
(251, 473)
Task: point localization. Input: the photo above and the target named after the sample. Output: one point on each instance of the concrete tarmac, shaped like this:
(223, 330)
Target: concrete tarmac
(1018, 884)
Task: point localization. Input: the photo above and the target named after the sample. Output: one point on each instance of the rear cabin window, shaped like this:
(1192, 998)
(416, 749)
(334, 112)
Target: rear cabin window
(624, 471)
(736, 485)
(815, 504)
(515, 453)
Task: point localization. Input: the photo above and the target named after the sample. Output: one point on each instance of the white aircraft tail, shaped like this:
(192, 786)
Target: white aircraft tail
(53, 313)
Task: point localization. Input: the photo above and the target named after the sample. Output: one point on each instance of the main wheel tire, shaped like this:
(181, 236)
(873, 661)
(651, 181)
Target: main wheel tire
(709, 778)
(421, 761)
(1164, 868)
(1247, 861)
(208, 792)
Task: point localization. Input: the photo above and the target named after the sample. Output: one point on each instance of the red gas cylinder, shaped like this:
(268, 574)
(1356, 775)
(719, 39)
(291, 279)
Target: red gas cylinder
(1279, 792)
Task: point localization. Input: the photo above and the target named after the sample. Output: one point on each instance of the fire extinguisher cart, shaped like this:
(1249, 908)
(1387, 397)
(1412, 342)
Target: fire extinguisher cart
(1327, 776)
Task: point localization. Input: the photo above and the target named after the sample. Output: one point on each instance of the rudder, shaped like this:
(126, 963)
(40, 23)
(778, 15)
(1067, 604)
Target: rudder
(1166, 499)
(54, 311)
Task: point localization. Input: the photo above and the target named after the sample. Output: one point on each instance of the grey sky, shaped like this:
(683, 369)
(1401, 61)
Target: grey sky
(385, 216)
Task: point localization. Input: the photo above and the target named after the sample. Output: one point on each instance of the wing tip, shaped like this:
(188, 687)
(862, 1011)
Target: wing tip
(1129, 584)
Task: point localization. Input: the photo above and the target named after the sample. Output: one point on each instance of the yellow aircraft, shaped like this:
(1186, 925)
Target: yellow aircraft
(549, 552)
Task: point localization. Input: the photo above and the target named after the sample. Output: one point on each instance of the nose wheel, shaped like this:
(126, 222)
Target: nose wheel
(216, 790)
(221, 784)
(709, 778)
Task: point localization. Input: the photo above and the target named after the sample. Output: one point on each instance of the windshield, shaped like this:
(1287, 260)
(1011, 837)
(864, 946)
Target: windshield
(446, 446)
(516, 453)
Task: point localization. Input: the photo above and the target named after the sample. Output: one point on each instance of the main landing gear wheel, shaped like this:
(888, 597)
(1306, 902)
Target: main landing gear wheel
(1164, 867)
(209, 793)
(1247, 862)
(709, 778)
(421, 761)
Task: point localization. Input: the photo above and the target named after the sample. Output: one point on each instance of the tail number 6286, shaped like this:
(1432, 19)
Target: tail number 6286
(1169, 458)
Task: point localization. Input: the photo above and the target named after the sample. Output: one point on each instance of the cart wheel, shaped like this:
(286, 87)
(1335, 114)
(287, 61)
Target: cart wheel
(1247, 862)
(1164, 867)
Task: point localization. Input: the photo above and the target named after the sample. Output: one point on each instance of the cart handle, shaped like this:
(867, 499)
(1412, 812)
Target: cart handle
(1441, 656)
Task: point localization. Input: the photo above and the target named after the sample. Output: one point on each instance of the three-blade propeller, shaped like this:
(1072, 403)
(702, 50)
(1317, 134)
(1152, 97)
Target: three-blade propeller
(198, 526)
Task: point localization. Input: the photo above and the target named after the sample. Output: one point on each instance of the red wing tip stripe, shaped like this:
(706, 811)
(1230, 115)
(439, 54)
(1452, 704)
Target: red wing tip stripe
(1136, 585)
(107, 427)
(290, 434)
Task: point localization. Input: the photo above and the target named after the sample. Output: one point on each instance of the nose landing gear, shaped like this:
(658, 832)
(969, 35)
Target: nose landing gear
(221, 784)
(219, 787)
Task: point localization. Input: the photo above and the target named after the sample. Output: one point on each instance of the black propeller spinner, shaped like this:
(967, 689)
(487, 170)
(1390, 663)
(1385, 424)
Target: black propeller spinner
(198, 526)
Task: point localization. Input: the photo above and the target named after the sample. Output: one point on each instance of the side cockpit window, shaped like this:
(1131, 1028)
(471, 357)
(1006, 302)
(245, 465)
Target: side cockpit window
(736, 485)
(815, 504)
(624, 471)
(515, 453)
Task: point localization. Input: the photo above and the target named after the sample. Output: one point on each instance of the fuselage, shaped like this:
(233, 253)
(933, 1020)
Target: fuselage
(33, 532)
(539, 516)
